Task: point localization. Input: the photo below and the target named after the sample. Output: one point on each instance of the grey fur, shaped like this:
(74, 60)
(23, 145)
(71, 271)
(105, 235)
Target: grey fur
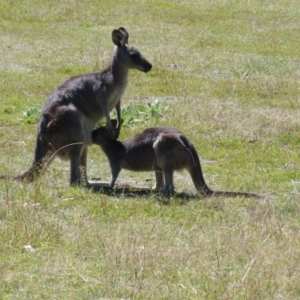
(162, 150)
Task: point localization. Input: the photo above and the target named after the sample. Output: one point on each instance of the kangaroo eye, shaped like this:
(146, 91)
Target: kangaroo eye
(135, 55)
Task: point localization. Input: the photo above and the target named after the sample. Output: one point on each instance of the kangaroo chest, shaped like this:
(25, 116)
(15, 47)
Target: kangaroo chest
(115, 94)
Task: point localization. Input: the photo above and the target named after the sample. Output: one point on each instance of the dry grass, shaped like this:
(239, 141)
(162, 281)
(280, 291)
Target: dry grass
(229, 72)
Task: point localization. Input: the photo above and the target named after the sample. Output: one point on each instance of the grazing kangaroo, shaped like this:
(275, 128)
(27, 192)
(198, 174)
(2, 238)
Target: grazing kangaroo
(162, 150)
(72, 111)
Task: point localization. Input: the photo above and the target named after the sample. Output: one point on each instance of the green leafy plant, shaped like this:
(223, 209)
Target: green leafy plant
(152, 110)
(139, 113)
(32, 115)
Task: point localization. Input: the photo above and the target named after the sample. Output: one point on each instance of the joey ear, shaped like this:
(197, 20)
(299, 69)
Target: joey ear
(114, 123)
(119, 37)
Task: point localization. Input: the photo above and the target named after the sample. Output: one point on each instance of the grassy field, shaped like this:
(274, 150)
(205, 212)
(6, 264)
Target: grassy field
(229, 73)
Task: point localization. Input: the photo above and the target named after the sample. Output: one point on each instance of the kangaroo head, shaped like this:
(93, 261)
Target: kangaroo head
(101, 134)
(128, 56)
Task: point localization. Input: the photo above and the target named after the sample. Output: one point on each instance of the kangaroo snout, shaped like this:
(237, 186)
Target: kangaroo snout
(147, 67)
(144, 65)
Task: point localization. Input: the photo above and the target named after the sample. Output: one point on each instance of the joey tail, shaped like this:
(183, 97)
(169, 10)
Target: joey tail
(201, 186)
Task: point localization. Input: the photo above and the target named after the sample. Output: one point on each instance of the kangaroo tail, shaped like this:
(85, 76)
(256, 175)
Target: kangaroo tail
(236, 194)
(202, 187)
(42, 158)
(197, 174)
(29, 175)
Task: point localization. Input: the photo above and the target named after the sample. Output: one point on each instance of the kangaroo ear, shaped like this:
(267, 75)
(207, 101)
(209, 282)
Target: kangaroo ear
(125, 34)
(114, 122)
(120, 37)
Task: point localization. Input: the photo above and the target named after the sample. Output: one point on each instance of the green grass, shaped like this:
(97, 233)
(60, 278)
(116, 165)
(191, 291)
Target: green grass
(228, 71)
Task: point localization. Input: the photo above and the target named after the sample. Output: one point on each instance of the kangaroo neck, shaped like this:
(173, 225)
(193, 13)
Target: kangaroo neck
(118, 69)
(112, 148)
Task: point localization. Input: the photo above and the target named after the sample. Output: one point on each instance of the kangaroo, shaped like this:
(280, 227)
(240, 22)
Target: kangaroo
(162, 150)
(76, 106)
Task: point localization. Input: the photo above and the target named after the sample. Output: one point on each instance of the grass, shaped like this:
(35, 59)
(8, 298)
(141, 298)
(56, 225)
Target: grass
(228, 71)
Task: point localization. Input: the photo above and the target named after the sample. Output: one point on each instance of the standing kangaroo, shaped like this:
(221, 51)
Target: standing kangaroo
(162, 150)
(72, 111)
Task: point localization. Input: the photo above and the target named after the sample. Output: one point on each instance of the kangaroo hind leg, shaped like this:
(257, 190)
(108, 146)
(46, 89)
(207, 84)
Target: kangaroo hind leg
(159, 181)
(77, 164)
(169, 185)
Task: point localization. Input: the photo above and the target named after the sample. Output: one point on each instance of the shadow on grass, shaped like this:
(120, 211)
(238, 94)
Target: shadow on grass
(126, 190)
